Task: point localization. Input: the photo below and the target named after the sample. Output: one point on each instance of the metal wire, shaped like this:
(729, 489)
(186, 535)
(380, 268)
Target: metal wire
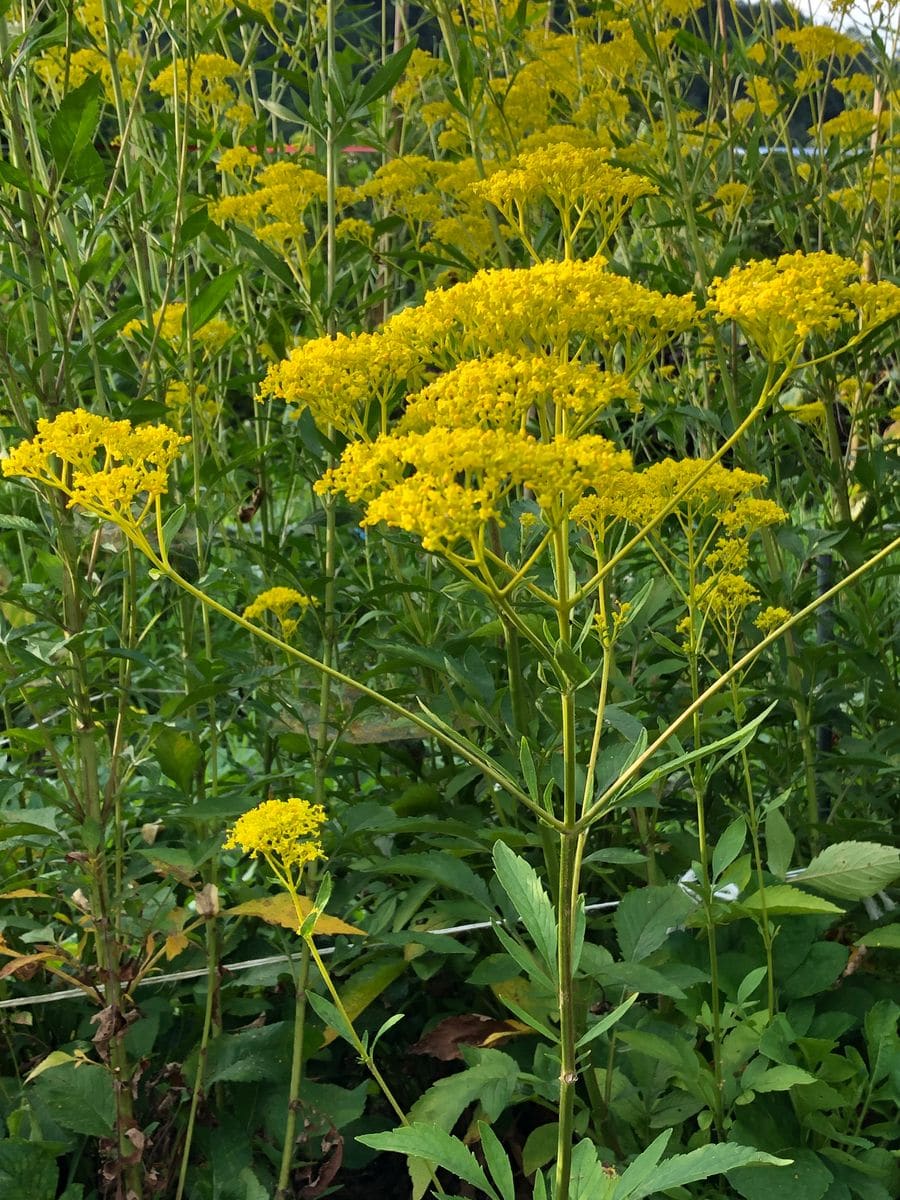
(247, 964)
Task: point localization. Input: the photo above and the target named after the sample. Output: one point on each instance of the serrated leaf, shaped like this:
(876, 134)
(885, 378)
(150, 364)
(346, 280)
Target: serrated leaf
(79, 1097)
(522, 884)
(497, 1162)
(699, 1164)
(28, 1170)
(646, 916)
(852, 870)
(778, 1079)
(782, 900)
(491, 1081)
(435, 1146)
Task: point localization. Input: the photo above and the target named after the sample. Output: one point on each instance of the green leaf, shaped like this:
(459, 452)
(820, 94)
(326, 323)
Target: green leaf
(750, 983)
(807, 1178)
(540, 1147)
(882, 1042)
(28, 1171)
(885, 938)
(646, 916)
(733, 743)
(852, 870)
(729, 846)
(444, 868)
(782, 900)
(249, 1056)
(527, 896)
(74, 123)
(207, 302)
(529, 774)
(491, 1081)
(606, 1022)
(179, 757)
(331, 1015)
(497, 1162)
(588, 1180)
(642, 1168)
(435, 1146)
(386, 75)
(774, 1079)
(779, 843)
(79, 1098)
(699, 1164)
(636, 977)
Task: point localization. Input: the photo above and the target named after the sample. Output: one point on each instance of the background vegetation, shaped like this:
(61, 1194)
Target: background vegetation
(189, 192)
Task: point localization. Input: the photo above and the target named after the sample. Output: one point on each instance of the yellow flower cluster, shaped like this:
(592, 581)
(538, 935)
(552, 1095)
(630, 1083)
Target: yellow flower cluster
(462, 476)
(849, 126)
(275, 208)
(109, 468)
(501, 391)
(571, 178)
(50, 68)
(237, 160)
(279, 601)
(210, 337)
(780, 304)
(178, 402)
(770, 618)
(286, 833)
(421, 67)
(544, 308)
(405, 186)
(713, 491)
(725, 596)
(732, 197)
(817, 42)
(207, 81)
(338, 379)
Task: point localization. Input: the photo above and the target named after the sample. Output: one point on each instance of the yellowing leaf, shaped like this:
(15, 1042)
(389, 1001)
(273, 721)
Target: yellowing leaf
(175, 943)
(362, 988)
(55, 1059)
(23, 894)
(280, 910)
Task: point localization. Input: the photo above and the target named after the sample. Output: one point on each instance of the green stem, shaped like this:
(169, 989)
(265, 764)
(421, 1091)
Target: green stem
(464, 750)
(568, 887)
(290, 1124)
(725, 678)
(212, 980)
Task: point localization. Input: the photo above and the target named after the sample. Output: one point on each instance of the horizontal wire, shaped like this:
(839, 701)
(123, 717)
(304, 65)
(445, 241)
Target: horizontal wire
(248, 964)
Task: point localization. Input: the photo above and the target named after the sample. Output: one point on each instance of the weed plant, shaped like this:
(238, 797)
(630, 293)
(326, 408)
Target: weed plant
(449, 642)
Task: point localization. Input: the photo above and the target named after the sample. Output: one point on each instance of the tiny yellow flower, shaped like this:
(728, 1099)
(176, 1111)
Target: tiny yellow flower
(770, 618)
(285, 832)
(279, 601)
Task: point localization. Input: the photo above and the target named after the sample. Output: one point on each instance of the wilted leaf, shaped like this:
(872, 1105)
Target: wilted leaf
(280, 910)
(467, 1029)
(175, 943)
